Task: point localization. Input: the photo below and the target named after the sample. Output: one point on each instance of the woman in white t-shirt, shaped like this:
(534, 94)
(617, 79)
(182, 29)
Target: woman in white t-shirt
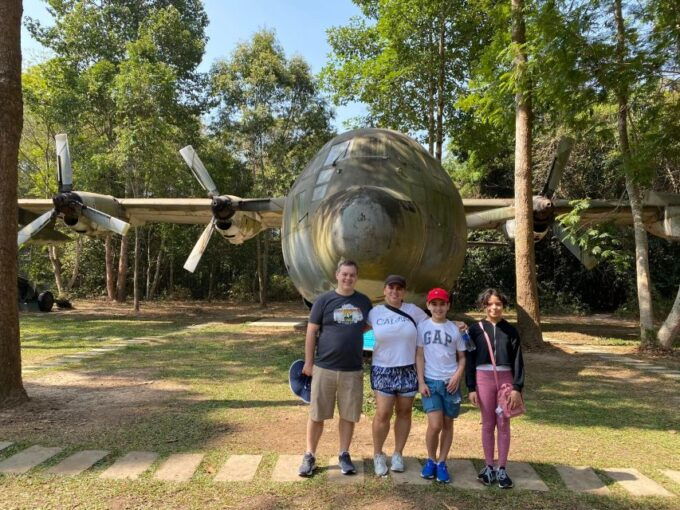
(393, 373)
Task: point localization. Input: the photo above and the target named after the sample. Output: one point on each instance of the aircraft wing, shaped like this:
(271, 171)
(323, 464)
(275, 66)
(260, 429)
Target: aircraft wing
(138, 211)
(661, 213)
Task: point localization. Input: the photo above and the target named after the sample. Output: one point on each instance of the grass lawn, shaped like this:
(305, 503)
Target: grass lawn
(210, 384)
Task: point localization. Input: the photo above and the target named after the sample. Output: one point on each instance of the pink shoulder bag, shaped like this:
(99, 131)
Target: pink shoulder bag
(504, 391)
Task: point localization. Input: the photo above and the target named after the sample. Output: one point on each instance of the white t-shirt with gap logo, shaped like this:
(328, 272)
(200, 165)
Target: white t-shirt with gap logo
(440, 343)
(395, 335)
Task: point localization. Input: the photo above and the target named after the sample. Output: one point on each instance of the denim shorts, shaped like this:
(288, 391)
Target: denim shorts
(441, 400)
(395, 381)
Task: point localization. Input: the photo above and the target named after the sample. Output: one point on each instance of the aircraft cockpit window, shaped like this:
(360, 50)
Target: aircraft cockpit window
(369, 147)
(338, 151)
(325, 175)
(319, 192)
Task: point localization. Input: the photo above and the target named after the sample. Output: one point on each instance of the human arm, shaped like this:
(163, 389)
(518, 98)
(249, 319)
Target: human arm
(420, 369)
(470, 372)
(461, 326)
(517, 364)
(454, 381)
(310, 344)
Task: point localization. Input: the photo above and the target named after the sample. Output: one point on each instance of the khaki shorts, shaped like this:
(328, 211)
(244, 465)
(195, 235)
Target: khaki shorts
(329, 385)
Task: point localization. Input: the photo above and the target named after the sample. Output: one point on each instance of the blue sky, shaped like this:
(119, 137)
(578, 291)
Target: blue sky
(300, 26)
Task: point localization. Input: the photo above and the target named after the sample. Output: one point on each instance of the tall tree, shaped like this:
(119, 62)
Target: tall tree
(11, 119)
(270, 111)
(528, 314)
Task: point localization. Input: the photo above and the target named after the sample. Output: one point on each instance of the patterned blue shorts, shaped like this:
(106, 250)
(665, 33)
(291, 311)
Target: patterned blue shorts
(395, 381)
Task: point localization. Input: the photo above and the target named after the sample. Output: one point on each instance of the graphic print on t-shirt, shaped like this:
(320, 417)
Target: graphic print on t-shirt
(347, 314)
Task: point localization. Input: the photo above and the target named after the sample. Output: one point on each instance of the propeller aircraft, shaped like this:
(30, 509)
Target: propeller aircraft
(372, 195)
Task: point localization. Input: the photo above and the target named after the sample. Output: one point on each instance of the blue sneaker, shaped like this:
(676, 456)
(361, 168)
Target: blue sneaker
(429, 469)
(443, 473)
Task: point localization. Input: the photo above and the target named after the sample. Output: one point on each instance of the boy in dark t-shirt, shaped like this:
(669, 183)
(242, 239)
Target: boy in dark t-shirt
(336, 366)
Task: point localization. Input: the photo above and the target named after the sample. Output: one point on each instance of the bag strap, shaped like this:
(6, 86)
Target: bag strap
(402, 313)
(493, 358)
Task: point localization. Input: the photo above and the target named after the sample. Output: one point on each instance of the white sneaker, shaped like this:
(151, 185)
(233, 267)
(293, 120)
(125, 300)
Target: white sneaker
(380, 464)
(397, 463)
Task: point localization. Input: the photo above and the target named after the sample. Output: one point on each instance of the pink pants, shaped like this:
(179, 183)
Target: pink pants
(486, 394)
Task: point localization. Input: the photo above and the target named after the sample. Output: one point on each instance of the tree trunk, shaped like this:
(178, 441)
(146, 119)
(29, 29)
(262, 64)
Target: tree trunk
(171, 277)
(11, 119)
(432, 91)
(56, 268)
(440, 89)
(76, 264)
(147, 288)
(121, 288)
(157, 274)
(110, 276)
(262, 258)
(647, 336)
(528, 313)
(671, 326)
(211, 279)
(135, 277)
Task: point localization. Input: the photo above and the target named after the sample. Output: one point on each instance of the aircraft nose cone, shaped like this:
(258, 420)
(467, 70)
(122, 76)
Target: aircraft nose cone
(365, 224)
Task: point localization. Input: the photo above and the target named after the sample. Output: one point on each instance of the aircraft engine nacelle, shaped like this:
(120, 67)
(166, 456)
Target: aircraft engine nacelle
(70, 206)
(239, 228)
(544, 215)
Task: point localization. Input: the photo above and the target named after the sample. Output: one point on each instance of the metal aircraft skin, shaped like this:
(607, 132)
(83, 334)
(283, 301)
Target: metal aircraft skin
(375, 196)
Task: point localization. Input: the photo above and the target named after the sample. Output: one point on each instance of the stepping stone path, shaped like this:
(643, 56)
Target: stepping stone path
(286, 469)
(97, 351)
(278, 323)
(336, 476)
(525, 477)
(412, 473)
(181, 467)
(582, 479)
(130, 466)
(27, 459)
(607, 356)
(636, 483)
(78, 462)
(464, 474)
(239, 468)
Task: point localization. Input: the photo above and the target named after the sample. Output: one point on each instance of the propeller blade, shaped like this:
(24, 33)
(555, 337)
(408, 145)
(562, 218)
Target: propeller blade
(199, 170)
(26, 233)
(64, 171)
(558, 164)
(108, 222)
(199, 247)
(490, 217)
(588, 261)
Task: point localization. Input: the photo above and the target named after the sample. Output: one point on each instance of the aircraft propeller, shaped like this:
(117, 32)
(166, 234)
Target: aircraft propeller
(68, 204)
(223, 208)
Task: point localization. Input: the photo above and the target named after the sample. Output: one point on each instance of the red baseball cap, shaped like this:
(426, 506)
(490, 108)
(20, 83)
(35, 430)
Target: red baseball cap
(437, 293)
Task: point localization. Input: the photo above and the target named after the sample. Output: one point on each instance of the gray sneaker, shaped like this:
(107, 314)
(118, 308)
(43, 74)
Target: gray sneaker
(397, 463)
(308, 465)
(345, 463)
(380, 464)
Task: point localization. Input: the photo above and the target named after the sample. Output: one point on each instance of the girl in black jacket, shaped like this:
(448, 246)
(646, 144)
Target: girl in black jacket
(481, 382)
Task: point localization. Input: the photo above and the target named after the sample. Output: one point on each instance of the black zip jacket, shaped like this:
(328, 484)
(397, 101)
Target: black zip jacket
(507, 350)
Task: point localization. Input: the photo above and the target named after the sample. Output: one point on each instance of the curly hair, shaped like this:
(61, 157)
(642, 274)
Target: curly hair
(483, 299)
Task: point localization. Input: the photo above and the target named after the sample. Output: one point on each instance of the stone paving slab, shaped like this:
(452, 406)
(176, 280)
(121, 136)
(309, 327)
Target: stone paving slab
(179, 467)
(335, 476)
(464, 474)
(130, 466)
(286, 469)
(277, 323)
(5, 444)
(239, 468)
(27, 459)
(78, 462)
(582, 479)
(411, 475)
(525, 477)
(672, 474)
(636, 483)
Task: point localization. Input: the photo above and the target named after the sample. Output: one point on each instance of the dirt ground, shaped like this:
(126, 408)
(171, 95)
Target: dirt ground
(67, 405)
